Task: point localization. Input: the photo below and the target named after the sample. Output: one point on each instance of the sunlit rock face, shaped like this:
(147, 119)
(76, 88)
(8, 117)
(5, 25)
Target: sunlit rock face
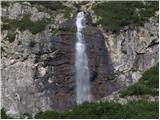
(134, 50)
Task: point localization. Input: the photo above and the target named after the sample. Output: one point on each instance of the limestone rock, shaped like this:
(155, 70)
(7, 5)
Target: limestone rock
(134, 50)
(41, 76)
(37, 16)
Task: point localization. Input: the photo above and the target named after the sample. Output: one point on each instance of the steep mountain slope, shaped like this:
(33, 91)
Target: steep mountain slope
(37, 47)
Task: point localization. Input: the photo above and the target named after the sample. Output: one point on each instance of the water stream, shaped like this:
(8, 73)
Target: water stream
(81, 63)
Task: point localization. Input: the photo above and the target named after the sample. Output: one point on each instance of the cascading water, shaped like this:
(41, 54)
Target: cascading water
(81, 63)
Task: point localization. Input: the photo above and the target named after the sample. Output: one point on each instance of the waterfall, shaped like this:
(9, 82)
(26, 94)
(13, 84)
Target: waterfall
(81, 63)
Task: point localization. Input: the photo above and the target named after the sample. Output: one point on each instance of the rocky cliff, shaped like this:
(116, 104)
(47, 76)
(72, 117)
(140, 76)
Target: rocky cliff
(38, 55)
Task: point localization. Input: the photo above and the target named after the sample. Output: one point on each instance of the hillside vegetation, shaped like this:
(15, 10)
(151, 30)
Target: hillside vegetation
(117, 14)
(147, 85)
(105, 110)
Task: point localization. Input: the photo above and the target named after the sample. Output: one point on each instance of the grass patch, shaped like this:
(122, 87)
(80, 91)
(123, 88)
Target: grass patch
(106, 110)
(147, 85)
(117, 14)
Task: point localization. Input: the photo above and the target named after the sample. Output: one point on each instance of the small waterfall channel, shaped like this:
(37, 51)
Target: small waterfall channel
(81, 63)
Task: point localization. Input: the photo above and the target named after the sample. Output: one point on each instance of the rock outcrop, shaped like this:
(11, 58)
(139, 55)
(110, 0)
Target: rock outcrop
(134, 50)
(38, 69)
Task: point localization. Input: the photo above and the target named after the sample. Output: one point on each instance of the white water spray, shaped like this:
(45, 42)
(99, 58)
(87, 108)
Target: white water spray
(81, 63)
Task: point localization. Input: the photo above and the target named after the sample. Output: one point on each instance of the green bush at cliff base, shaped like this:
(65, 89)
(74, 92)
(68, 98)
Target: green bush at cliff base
(117, 14)
(3, 114)
(106, 110)
(102, 110)
(147, 85)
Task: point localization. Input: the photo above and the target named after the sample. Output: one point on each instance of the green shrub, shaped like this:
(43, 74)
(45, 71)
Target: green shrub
(2, 49)
(138, 89)
(117, 14)
(34, 27)
(3, 114)
(147, 85)
(151, 77)
(24, 24)
(106, 110)
(103, 110)
(11, 36)
(4, 4)
(24, 115)
(32, 43)
(53, 5)
(48, 115)
(8, 24)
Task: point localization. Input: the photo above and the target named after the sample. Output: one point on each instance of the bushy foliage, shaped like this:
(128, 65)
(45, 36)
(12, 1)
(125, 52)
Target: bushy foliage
(147, 85)
(3, 114)
(32, 43)
(4, 4)
(117, 14)
(11, 36)
(57, 6)
(110, 110)
(24, 24)
(151, 77)
(48, 115)
(34, 27)
(53, 5)
(101, 110)
(26, 115)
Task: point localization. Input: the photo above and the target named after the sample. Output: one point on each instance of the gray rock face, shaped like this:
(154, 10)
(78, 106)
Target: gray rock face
(39, 16)
(19, 91)
(17, 10)
(115, 97)
(134, 50)
(40, 76)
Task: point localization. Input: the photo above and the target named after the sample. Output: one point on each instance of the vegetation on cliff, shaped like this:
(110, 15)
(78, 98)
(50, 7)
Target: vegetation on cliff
(57, 6)
(117, 14)
(3, 114)
(24, 24)
(147, 85)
